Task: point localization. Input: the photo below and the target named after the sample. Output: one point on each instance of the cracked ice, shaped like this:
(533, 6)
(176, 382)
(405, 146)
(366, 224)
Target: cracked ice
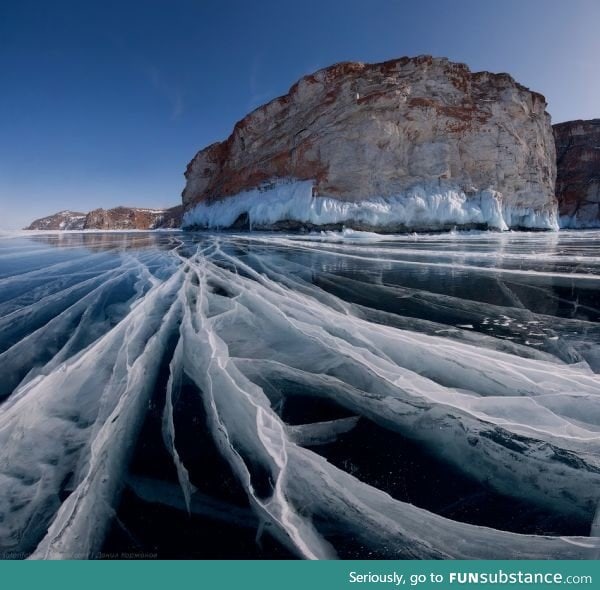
(328, 395)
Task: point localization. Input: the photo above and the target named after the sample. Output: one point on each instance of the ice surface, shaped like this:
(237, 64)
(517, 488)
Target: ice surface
(422, 207)
(260, 329)
(321, 433)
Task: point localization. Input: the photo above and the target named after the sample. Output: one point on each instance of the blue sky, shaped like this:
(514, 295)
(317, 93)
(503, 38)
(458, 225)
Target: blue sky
(104, 103)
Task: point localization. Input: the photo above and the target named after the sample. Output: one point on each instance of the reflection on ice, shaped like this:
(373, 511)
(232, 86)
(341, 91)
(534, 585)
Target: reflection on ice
(232, 384)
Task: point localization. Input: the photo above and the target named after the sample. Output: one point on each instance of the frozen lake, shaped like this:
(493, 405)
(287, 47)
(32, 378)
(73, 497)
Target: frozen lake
(222, 395)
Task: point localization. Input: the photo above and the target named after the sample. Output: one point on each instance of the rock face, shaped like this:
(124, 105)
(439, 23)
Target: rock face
(578, 173)
(107, 219)
(133, 218)
(413, 143)
(61, 220)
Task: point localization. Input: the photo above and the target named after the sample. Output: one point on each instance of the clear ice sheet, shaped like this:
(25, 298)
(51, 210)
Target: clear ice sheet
(479, 350)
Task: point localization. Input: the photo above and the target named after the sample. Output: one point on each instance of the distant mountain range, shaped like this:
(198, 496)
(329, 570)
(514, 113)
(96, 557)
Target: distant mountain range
(107, 219)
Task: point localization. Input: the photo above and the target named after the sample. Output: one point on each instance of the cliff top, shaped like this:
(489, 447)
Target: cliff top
(340, 70)
(337, 72)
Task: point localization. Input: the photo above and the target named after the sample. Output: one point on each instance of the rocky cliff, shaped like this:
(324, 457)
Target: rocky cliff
(62, 220)
(107, 219)
(578, 173)
(409, 144)
(133, 218)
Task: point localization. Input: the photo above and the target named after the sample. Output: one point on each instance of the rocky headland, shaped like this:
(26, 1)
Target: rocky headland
(122, 218)
(410, 144)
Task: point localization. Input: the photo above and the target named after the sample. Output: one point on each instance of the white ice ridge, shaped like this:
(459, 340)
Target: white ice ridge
(250, 327)
(423, 207)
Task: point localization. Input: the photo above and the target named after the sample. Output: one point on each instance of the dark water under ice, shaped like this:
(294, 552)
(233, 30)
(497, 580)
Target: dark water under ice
(181, 395)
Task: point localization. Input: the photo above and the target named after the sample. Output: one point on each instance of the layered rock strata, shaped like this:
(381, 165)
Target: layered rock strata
(409, 144)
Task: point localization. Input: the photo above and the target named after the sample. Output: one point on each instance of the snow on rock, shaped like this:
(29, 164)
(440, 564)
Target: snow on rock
(413, 140)
(62, 220)
(108, 219)
(133, 218)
